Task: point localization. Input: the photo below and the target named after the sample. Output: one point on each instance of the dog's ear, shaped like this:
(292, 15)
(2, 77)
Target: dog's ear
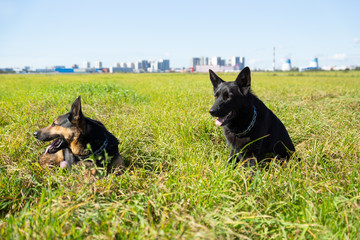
(75, 112)
(215, 80)
(243, 80)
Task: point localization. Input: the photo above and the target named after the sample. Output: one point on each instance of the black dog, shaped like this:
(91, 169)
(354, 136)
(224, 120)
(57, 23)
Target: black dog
(247, 123)
(72, 133)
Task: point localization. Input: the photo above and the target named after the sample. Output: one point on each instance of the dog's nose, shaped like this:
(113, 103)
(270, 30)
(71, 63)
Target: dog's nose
(36, 134)
(212, 111)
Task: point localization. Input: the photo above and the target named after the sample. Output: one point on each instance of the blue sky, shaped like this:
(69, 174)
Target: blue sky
(42, 33)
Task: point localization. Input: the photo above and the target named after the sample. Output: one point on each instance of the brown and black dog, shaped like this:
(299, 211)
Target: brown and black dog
(72, 133)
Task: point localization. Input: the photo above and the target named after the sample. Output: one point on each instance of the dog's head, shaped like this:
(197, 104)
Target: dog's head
(231, 98)
(64, 130)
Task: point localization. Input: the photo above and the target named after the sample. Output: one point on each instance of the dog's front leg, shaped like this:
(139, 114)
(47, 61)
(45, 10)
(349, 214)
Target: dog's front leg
(69, 159)
(234, 155)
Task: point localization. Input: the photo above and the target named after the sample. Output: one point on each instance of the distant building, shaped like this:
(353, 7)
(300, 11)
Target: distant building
(86, 65)
(120, 69)
(154, 66)
(203, 64)
(137, 66)
(314, 63)
(131, 65)
(286, 66)
(204, 61)
(6, 70)
(64, 70)
(164, 65)
(216, 68)
(84, 70)
(44, 70)
(237, 61)
(222, 62)
(161, 65)
(215, 61)
(233, 61)
(144, 65)
(98, 64)
(194, 62)
(55, 67)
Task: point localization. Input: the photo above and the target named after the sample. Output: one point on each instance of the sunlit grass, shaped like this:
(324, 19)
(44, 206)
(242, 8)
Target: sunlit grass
(177, 185)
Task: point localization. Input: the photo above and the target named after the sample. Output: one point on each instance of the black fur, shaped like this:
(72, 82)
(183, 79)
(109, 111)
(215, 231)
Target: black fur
(235, 106)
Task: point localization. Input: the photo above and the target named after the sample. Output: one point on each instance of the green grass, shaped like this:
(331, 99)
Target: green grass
(177, 186)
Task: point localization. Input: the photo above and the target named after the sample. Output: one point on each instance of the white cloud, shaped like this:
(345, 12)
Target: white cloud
(338, 56)
(356, 40)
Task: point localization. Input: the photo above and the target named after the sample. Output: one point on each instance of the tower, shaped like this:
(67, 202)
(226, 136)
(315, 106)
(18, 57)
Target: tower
(274, 59)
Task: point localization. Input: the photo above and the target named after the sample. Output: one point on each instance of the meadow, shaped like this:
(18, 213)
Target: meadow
(176, 185)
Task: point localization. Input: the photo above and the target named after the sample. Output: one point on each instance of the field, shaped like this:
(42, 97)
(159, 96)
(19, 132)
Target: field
(176, 185)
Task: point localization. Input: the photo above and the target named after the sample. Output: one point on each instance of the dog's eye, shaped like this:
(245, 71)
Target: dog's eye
(226, 96)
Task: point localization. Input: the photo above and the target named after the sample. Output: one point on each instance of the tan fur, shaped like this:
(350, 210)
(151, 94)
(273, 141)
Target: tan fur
(77, 148)
(70, 134)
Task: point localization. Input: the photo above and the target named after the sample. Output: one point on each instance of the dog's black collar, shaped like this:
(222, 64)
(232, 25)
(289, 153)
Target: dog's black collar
(252, 123)
(97, 152)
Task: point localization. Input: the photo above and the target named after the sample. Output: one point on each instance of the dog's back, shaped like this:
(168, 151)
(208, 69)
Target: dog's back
(269, 134)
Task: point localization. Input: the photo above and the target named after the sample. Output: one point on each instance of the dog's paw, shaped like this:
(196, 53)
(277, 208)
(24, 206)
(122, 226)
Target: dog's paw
(63, 164)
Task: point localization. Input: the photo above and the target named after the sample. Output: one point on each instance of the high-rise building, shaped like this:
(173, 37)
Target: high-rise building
(204, 61)
(194, 62)
(233, 61)
(154, 66)
(161, 65)
(222, 62)
(98, 64)
(164, 65)
(145, 64)
(216, 61)
(131, 65)
(86, 64)
(204, 64)
(242, 63)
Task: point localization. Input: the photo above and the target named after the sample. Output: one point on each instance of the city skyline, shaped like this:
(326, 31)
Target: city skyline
(41, 33)
(197, 64)
(161, 65)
